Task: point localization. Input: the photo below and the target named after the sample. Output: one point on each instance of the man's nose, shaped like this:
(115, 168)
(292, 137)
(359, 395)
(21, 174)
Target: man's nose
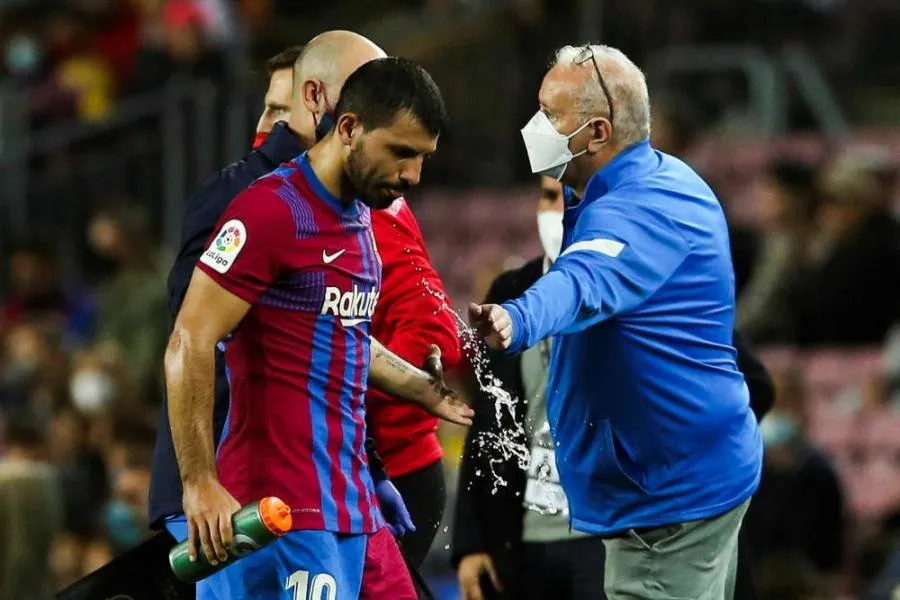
(411, 172)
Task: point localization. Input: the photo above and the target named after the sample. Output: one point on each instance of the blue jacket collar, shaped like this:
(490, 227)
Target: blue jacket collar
(634, 161)
(281, 145)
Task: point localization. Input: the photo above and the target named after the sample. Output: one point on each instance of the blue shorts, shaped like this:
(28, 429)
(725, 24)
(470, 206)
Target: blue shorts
(316, 565)
(176, 525)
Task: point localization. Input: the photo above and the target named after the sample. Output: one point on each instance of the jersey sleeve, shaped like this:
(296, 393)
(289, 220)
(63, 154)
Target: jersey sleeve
(246, 251)
(617, 258)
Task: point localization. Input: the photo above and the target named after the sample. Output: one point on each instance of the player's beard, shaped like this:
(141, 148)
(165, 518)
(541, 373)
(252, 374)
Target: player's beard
(362, 180)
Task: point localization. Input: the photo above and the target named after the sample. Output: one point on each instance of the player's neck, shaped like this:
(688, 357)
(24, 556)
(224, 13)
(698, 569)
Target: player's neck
(326, 163)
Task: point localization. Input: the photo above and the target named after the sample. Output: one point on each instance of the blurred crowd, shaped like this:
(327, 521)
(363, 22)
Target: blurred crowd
(817, 267)
(76, 58)
(79, 385)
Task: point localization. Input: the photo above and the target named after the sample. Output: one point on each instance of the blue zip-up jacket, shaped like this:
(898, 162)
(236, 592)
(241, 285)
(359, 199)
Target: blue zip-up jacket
(649, 412)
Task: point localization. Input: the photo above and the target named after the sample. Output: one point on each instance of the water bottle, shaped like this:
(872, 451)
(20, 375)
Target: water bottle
(255, 525)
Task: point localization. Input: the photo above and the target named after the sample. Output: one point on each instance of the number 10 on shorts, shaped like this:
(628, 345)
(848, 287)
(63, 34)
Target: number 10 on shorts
(322, 587)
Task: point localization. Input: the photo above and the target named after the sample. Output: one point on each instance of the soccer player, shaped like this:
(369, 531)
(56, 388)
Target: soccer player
(293, 276)
(341, 52)
(411, 316)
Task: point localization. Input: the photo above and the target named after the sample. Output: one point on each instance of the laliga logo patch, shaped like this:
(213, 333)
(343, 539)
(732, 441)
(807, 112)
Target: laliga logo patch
(226, 246)
(243, 544)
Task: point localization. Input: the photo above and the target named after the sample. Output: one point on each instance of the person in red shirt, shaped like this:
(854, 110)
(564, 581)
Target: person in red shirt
(412, 313)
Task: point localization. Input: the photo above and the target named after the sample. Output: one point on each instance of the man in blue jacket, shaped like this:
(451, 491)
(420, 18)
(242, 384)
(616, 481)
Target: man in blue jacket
(657, 448)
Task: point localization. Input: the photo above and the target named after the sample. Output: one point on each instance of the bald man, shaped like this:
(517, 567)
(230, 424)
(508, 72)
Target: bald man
(410, 317)
(657, 449)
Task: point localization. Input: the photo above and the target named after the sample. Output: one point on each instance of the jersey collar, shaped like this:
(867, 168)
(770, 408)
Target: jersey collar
(321, 191)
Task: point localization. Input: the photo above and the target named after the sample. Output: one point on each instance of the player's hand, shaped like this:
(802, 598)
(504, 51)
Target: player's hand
(441, 401)
(208, 508)
(471, 569)
(492, 322)
(394, 508)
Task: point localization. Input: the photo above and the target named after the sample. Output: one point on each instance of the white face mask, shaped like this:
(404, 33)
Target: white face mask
(92, 391)
(548, 150)
(550, 230)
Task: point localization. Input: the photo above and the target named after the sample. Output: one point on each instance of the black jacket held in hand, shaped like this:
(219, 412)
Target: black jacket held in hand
(492, 522)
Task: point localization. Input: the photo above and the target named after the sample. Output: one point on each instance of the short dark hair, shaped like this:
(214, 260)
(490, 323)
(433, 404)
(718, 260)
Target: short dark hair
(381, 89)
(284, 59)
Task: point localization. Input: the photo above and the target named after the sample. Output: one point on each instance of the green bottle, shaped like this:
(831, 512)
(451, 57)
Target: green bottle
(255, 525)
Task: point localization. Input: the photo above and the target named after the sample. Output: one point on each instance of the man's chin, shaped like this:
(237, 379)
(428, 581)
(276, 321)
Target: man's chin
(377, 202)
(380, 199)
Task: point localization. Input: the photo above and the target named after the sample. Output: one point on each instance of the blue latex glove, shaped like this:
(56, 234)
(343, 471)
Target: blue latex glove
(393, 508)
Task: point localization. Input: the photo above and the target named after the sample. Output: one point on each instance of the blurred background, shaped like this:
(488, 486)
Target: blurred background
(113, 111)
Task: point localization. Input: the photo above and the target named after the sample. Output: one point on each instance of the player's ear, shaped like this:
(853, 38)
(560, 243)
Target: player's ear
(348, 128)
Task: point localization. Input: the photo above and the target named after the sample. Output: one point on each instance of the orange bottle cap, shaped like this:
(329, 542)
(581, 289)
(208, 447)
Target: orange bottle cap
(276, 515)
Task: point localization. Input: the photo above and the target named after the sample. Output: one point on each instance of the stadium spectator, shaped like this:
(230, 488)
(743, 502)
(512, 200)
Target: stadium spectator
(35, 289)
(848, 292)
(131, 306)
(82, 471)
(34, 368)
(79, 69)
(30, 510)
(185, 54)
(799, 508)
(787, 203)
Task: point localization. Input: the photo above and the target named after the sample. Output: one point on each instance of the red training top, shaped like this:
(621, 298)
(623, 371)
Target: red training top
(413, 313)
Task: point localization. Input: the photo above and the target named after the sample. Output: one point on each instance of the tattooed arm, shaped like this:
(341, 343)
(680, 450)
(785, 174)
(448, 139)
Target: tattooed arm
(395, 376)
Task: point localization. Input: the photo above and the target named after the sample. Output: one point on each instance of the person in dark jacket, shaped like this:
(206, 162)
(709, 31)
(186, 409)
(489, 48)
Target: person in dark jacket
(513, 540)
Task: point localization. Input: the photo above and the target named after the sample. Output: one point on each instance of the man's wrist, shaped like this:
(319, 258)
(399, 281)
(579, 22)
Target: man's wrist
(420, 388)
(517, 324)
(199, 476)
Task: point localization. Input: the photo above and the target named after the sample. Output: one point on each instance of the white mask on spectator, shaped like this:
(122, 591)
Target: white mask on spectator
(548, 150)
(92, 391)
(550, 230)
(777, 429)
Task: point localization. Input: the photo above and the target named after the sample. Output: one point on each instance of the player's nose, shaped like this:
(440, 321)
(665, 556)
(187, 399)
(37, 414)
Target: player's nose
(411, 172)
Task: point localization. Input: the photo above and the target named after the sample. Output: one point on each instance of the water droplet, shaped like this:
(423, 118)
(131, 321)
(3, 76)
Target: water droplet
(507, 443)
(446, 546)
(446, 529)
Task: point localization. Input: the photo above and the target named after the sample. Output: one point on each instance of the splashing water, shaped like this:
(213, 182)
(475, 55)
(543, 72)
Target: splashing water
(505, 443)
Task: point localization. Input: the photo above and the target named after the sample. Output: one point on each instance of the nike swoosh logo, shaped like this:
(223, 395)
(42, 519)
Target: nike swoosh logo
(330, 258)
